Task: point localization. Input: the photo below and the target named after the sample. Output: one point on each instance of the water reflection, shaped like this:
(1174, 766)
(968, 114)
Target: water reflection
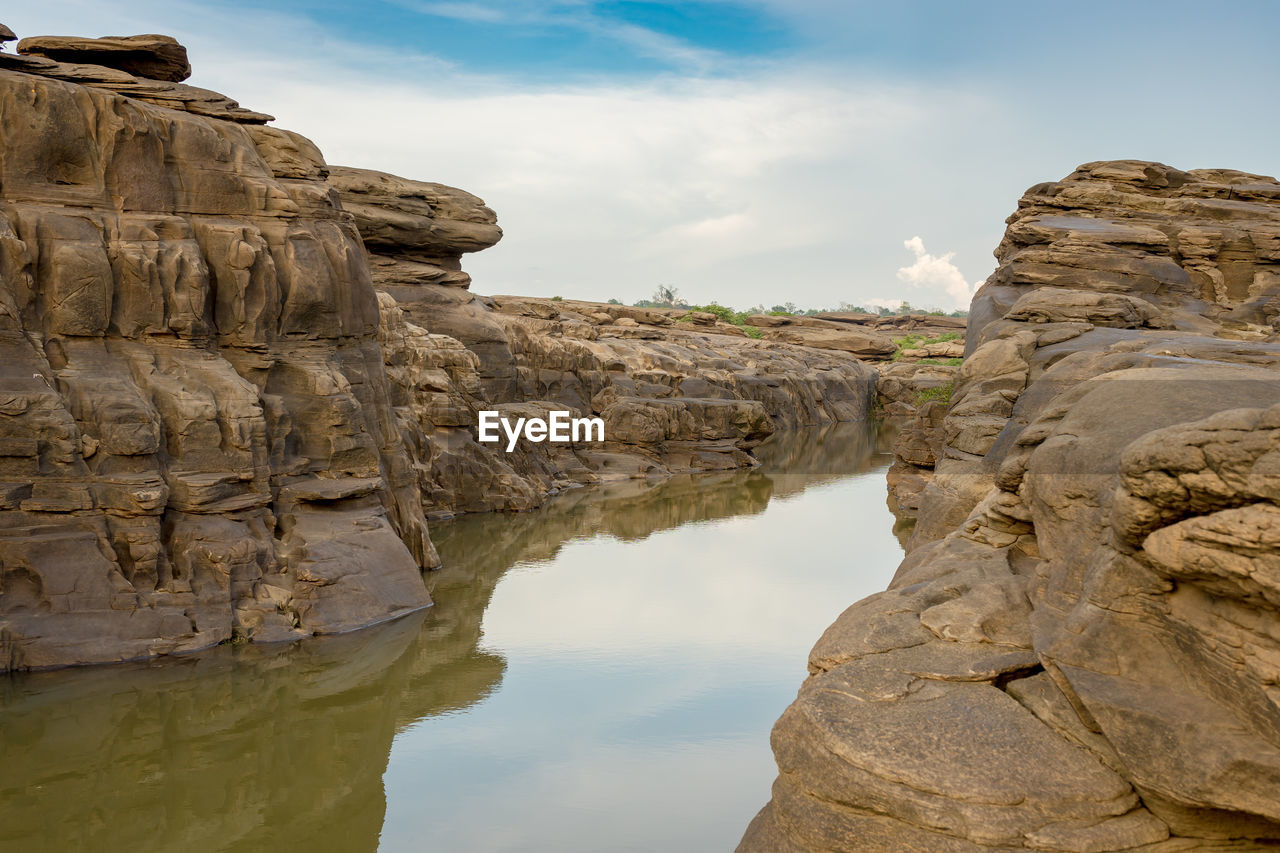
(607, 658)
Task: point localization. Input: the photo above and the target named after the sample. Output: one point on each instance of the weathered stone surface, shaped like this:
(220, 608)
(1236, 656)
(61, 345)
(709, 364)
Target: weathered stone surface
(194, 435)
(866, 344)
(397, 213)
(213, 425)
(1061, 305)
(1103, 502)
(679, 398)
(160, 92)
(675, 396)
(152, 56)
(824, 334)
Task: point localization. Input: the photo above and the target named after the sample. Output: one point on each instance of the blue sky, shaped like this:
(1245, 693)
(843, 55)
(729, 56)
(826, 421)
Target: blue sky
(748, 152)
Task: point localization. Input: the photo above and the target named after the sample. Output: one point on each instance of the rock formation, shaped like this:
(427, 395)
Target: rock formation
(78, 745)
(675, 393)
(194, 434)
(154, 57)
(235, 381)
(1079, 652)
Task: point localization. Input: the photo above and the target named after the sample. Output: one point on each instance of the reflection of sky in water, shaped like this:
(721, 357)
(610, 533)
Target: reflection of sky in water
(642, 679)
(600, 674)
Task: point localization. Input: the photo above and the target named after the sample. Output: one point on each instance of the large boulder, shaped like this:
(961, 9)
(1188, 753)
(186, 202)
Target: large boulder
(417, 231)
(859, 342)
(152, 56)
(1086, 611)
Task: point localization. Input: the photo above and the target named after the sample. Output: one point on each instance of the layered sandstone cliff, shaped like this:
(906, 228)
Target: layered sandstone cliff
(195, 438)
(235, 381)
(1080, 651)
(674, 396)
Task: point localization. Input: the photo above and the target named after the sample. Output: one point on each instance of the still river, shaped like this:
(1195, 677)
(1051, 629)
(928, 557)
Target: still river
(597, 675)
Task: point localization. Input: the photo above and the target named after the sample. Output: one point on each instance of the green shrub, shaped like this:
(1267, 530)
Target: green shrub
(942, 392)
(753, 332)
(919, 341)
(557, 299)
(724, 313)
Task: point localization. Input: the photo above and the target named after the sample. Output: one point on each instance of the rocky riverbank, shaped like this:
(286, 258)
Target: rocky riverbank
(237, 382)
(1079, 652)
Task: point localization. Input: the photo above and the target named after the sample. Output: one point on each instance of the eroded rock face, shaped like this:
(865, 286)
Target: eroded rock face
(214, 425)
(1079, 651)
(195, 436)
(155, 57)
(676, 393)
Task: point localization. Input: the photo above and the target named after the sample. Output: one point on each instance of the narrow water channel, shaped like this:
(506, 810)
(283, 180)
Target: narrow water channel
(598, 675)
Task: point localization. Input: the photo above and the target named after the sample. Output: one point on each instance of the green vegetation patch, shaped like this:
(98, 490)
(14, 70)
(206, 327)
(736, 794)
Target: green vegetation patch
(942, 392)
(723, 313)
(918, 341)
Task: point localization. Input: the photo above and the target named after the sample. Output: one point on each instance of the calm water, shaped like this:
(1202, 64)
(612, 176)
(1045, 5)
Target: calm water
(598, 675)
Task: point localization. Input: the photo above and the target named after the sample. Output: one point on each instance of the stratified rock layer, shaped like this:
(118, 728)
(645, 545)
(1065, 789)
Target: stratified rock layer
(155, 57)
(1080, 651)
(195, 440)
(674, 396)
(213, 426)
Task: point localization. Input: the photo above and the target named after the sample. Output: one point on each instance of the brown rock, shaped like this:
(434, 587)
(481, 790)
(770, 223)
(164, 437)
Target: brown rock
(1102, 500)
(675, 396)
(396, 212)
(213, 425)
(155, 57)
(865, 344)
(176, 96)
(1060, 305)
(192, 391)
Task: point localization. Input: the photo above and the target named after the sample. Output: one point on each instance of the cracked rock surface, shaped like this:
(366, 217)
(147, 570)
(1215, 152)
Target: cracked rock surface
(1080, 651)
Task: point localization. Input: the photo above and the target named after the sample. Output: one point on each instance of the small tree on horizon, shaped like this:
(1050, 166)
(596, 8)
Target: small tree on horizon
(668, 296)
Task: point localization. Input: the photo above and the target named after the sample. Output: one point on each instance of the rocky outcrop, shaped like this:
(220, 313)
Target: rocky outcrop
(235, 381)
(121, 740)
(154, 57)
(676, 393)
(195, 440)
(1078, 652)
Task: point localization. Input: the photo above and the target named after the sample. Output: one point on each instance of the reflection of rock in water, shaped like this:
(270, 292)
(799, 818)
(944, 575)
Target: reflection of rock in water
(810, 457)
(257, 748)
(791, 461)
(233, 749)
(261, 747)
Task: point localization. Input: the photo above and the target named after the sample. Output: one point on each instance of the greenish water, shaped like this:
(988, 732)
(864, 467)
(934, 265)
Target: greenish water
(597, 675)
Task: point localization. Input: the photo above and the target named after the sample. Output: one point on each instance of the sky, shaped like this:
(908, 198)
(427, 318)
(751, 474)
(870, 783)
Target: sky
(748, 152)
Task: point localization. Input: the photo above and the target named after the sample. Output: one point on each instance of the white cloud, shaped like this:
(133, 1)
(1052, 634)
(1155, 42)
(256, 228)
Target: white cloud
(935, 273)
(470, 12)
(775, 183)
(719, 187)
